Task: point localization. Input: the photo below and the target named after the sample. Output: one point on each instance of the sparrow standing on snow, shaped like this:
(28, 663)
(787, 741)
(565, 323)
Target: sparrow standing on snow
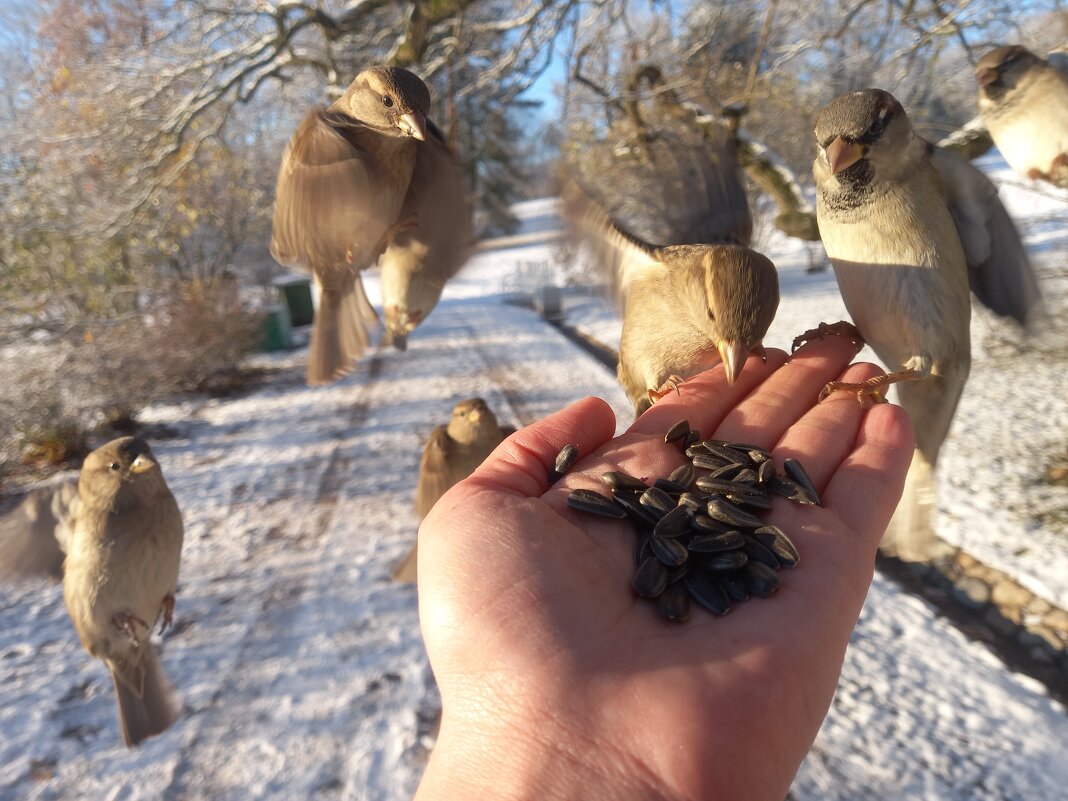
(685, 307)
(1024, 103)
(907, 227)
(452, 453)
(120, 576)
(419, 260)
(344, 176)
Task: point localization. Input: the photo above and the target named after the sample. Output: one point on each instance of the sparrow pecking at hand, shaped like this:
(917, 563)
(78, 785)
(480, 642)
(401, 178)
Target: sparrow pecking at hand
(451, 454)
(685, 307)
(1023, 100)
(121, 574)
(342, 182)
(909, 228)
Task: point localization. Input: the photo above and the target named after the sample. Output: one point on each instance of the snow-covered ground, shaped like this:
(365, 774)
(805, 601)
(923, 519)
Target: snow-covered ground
(300, 666)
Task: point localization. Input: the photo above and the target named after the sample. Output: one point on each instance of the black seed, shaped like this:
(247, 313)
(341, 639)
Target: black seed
(766, 472)
(734, 585)
(677, 431)
(719, 486)
(705, 524)
(671, 552)
(564, 459)
(758, 455)
(744, 447)
(669, 486)
(674, 603)
(748, 476)
(594, 503)
(693, 501)
(683, 475)
(658, 501)
(639, 515)
(726, 561)
(708, 461)
(751, 503)
(790, 489)
(728, 513)
(728, 471)
(795, 471)
(728, 453)
(642, 549)
(691, 439)
(650, 579)
(760, 579)
(758, 553)
(696, 450)
(775, 540)
(678, 572)
(715, 543)
(674, 523)
(617, 479)
(707, 592)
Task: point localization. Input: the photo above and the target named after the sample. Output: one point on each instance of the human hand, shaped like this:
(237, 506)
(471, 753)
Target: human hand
(558, 682)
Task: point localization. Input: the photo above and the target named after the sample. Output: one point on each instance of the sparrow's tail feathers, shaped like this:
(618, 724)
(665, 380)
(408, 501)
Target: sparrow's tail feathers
(910, 535)
(144, 697)
(340, 333)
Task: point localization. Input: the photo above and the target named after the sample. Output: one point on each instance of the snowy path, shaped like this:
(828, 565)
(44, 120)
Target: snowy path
(300, 665)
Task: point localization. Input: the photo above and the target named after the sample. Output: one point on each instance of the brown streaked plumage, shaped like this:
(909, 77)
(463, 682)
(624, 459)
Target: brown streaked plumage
(1024, 103)
(685, 307)
(343, 178)
(451, 454)
(120, 576)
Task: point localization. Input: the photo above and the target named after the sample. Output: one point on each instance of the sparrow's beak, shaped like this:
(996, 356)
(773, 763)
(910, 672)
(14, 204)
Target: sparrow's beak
(986, 76)
(733, 355)
(413, 124)
(142, 464)
(842, 154)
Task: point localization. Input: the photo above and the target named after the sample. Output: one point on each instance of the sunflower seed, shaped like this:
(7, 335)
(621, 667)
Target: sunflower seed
(618, 480)
(748, 476)
(642, 549)
(594, 503)
(775, 540)
(795, 471)
(734, 585)
(751, 503)
(564, 459)
(715, 543)
(638, 514)
(678, 572)
(683, 475)
(790, 489)
(669, 486)
(728, 471)
(671, 552)
(674, 603)
(766, 472)
(674, 524)
(760, 579)
(706, 525)
(726, 561)
(696, 450)
(677, 431)
(658, 501)
(708, 461)
(728, 513)
(707, 592)
(650, 579)
(728, 453)
(758, 553)
(691, 439)
(693, 501)
(718, 486)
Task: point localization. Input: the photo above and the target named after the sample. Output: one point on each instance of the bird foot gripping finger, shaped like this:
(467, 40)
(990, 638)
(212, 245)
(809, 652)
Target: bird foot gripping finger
(669, 386)
(124, 622)
(872, 388)
(168, 612)
(839, 329)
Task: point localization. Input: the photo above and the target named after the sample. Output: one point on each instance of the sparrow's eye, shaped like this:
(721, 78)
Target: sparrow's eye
(113, 466)
(387, 101)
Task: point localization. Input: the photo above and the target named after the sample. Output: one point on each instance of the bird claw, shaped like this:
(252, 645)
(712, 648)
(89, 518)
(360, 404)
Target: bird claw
(872, 388)
(669, 386)
(841, 329)
(124, 622)
(168, 612)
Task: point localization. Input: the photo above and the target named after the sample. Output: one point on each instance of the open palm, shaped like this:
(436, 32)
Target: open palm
(557, 681)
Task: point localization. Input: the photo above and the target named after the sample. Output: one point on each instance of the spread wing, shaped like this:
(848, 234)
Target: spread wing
(622, 257)
(435, 477)
(999, 271)
(326, 209)
(35, 535)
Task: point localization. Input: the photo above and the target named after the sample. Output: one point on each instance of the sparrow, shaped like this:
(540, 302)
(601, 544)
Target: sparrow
(341, 185)
(120, 576)
(35, 535)
(451, 454)
(420, 259)
(685, 307)
(1023, 100)
(909, 227)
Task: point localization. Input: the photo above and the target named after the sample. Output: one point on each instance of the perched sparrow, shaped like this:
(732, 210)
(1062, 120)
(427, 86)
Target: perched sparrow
(343, 178)
(1024, 103)
(35, 535)
(451, 454)
(120, 576)
(419, 260)
(685, 307)
(907, 226)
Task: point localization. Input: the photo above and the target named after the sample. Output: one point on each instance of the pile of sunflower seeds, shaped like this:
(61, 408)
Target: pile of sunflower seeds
(699, 536)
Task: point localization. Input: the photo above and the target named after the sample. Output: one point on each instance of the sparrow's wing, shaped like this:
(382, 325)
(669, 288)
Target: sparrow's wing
(435, 477)
(999, 272)
(326, 210)
(35, 535)
(622, 257)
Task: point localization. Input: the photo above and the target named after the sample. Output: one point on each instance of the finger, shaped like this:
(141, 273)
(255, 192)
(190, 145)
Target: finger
(827, 433)
(520, 465)
(778, 403)
(706, 398)
(867, 485)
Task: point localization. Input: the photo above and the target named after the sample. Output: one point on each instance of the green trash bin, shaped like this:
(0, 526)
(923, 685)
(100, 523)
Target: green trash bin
(295, 292)
(277, 330)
